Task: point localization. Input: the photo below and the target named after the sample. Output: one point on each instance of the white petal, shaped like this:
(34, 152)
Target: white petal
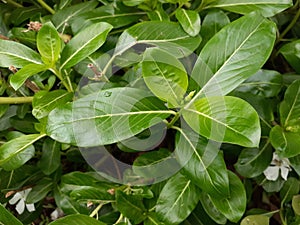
(272, 173)
(26, 192)
(20, 206)
(16, 198)
(284, 172)
(30, 207)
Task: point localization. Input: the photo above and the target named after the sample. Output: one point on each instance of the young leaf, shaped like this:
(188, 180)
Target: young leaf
(286, 143)
(234, 120)
(177, 199)
(253, 161)
(290, 108)
(84, 43)
(267, 8)
(17, 55)
(189, 21)
(202, 163)
(50, 159)
(131, 206)
(18, 79)
(18, 151)
(7, 218)
(77, 219)
(219, 72)
(44, 102)
(106, 117)
(164, 75)
(49, 44)
(233, 207)
(255, 220)
(157, 33)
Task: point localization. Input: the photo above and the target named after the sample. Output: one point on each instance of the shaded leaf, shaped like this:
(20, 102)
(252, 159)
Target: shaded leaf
(177, 200)
(234, 119)
(8, 218)
(290, 188)
(296, 204)
(40, 190)
(106, 117)
(291, 52)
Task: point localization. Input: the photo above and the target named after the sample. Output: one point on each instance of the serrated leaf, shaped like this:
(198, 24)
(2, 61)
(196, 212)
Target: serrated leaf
(157, 33)
(50, 159)
(255, 220)
(189, 21)
(234, 119)
(17, 55)
(84, 43)
(286, 143)
(49, 44)
(177, 200)
(44, 102)
(253, 161)
(19, 78)
(219, 72)
(106, 117)
(131, 206)
(202, 162)
(77, 219)
(164, 75)
(290, 108)
(267, 8)
(18, 151)
(233, 207)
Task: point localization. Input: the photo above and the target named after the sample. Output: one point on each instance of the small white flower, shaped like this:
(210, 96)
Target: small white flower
(20, 197)
(57, 213)
(277, 164)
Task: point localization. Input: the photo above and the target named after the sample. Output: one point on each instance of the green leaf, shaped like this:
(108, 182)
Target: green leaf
(44, 102)
(290, 188)
(214, 21)
(64, 17)
(106, 117)
(17, 55)
(50, 159)
(40, 190)
(77, 219)
(234, 119)
(18, 79)
(233, 207)
(177, 200)
(157, 33)
(199, 217)
(286, 143)
(18, 151)
(255, 220)
(266, 83)
(152, 219)
(238, 56)
(92, 194)
(202, 162)
(267, 8)
(189, 21)
(131, 206)
(253, 161)
(296, 204)
(6, 218)
(291, 52)
(84, 43)
(290, 108)
(211, 209)
(49, 44)
(164, 75)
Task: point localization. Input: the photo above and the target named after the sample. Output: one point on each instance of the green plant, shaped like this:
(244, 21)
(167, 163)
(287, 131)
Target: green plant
(150, 112)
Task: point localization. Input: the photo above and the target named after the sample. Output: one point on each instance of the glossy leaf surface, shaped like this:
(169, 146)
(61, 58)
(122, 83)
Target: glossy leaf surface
(76, 219)
(255, 220)
(189, 20)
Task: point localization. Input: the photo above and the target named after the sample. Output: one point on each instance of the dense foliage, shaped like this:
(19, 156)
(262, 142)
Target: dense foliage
(149, 112)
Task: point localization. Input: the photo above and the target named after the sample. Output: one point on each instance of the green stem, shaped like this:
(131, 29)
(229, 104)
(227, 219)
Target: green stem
(173, 121)
(68, 84)
(290, 26)
(47, 7)
(95, 212)
(15, 100)
(14, 3)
